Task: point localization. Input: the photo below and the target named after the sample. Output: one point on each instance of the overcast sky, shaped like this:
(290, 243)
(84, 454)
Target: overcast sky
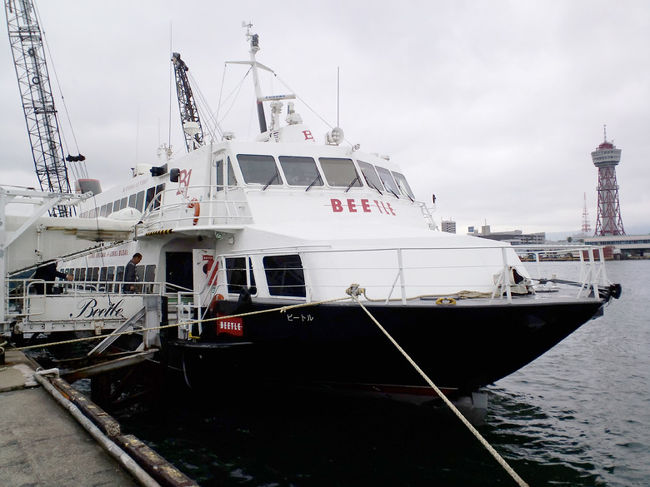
(494, 106)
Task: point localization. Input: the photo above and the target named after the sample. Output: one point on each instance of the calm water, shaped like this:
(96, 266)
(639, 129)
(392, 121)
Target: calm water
(578, 416)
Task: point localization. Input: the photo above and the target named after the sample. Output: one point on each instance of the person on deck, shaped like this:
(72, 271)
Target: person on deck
(129, 274)
(48, 273)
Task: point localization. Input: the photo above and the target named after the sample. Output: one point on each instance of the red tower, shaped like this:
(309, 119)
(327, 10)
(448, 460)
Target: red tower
(606, 157)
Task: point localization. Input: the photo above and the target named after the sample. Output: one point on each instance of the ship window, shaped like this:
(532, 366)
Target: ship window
(93, 274)
(109, 277)
(102, 279)
(236, 275)
(132, 201)
(159, 195)
(259, 169)
(339, 172)
(300, 171)
(232, 180)
(77, 274)
(123, 203)
(116, 206)
(119, 274)
(284, 275)
(82, 274)
(387, 179)
(139, 199)
(150, 193)
(149, 276)
(220, 175)
(403, 185)
(370, 175)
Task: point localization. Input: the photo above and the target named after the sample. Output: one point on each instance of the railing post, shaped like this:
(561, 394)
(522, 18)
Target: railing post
(401, 275)
(506, 273)
(594, 275)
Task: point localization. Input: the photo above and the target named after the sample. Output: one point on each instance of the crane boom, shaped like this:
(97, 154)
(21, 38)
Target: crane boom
(190, 121)
(26, 42)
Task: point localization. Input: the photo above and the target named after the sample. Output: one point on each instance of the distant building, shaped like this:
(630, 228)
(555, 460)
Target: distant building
(624, 246)
(514, 237)
(448, 226)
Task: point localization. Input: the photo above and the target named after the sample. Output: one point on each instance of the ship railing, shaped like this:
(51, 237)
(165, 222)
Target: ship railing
(404, 274)
(201, 206)
(592, 269)
(427, 213)
(39, 300)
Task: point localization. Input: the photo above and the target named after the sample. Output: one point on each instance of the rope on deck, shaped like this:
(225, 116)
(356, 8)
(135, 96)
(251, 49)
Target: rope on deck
(354, 291)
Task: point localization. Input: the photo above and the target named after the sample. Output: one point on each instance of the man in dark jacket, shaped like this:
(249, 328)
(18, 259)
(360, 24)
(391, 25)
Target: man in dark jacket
(129, 274)
(48, 273)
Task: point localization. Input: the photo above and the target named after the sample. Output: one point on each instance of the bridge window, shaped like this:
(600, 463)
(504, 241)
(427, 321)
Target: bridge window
(220, 175)
(389, 182)
(284, 275)
(340, 172)
(370, 175)
(237, 276)
(232, 180)
(123, 203)
(159, 196)
(150, 194)
(403, 185)
(300, 171)
(139, 200)
(259, 169)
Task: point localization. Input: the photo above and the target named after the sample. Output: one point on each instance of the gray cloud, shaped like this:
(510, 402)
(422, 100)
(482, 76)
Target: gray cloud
(493, 106)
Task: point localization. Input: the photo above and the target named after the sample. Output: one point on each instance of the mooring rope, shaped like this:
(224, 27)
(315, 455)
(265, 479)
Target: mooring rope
(281, 309)
(354, 291)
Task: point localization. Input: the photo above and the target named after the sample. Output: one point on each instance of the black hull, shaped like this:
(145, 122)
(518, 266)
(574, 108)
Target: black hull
(459, 347)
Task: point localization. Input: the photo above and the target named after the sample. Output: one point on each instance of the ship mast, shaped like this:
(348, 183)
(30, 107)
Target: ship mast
(254, 40)
(255, 65)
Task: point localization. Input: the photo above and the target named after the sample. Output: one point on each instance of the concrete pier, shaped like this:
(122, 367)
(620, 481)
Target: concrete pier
(40, 443)
(52, 435)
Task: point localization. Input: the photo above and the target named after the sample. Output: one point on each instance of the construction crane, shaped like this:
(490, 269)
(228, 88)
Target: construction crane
(26, 40)
(190, 121)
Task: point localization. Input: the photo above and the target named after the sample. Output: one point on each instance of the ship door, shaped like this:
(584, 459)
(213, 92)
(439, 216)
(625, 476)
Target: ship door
(179, 269)
(206, 276)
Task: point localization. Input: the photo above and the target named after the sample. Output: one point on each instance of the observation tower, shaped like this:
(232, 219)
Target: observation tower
(606, 157)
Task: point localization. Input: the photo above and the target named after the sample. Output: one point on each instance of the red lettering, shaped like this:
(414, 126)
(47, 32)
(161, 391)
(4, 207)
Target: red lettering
(390, 208)
(336, 205)
(384, 207)
(308, 135)
(365, 205)
(183, 181)
(378, 207)
(352, 206)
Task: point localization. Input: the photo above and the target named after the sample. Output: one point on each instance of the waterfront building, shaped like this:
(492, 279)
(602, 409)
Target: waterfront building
(448, 226)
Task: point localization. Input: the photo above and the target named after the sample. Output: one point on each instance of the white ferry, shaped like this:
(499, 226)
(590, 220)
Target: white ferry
(237, 227)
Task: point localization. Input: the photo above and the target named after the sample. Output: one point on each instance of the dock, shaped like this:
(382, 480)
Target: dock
(47, 440)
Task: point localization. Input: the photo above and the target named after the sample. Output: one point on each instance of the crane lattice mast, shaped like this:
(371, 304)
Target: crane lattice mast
(26, 42)
(190, 121)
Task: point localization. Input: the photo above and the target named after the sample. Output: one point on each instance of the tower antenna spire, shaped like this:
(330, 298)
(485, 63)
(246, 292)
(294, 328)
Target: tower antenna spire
(605, 132)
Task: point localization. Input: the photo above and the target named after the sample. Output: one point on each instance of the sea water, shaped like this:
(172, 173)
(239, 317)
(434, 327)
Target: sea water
(577, 416)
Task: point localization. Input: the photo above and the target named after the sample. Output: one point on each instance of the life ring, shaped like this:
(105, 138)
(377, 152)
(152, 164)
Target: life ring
(445, 301)
(197, 210)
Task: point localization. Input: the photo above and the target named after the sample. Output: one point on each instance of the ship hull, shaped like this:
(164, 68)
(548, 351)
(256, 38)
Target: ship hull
(461, 348)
